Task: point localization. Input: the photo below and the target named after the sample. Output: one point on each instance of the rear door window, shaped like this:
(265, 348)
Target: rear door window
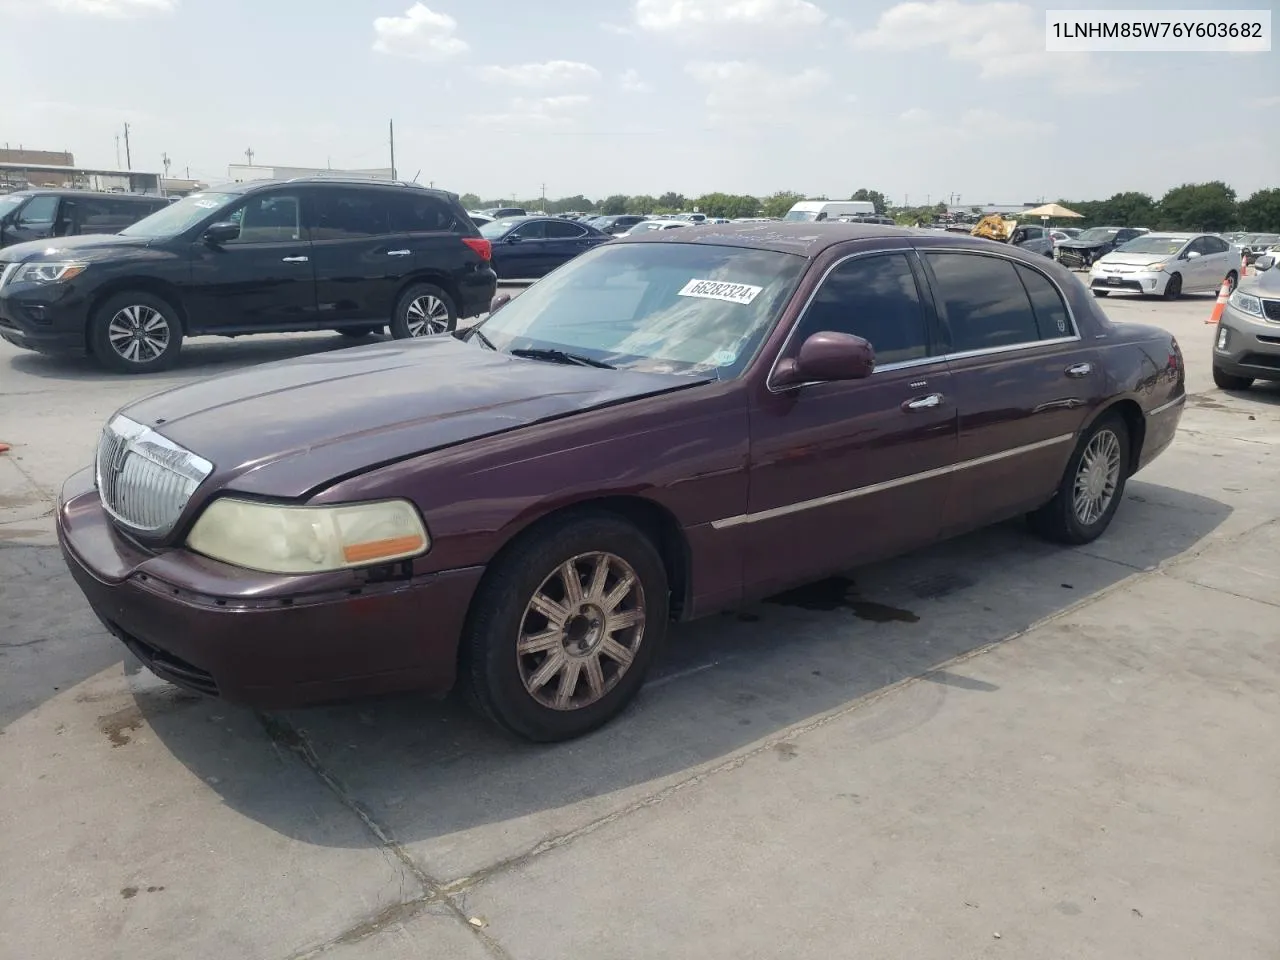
(563, 230)
(1052, 319)
(423, 214)
(982, 302)
(349, 214)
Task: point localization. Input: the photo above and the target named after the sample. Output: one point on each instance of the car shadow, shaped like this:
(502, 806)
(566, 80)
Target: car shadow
(426, 770)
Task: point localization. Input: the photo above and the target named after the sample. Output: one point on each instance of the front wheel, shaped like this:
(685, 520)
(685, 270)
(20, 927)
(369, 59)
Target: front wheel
(1091, 486)
(1233, 280)
(422, 310)
(1173, 288)
(564, 627)
(135, 332)
(1226, 381)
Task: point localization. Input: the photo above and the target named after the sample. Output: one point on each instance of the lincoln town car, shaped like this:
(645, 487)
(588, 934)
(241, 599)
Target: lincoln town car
(670, 425)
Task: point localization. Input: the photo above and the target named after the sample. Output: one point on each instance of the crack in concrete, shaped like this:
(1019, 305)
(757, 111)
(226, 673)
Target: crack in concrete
(284, 734)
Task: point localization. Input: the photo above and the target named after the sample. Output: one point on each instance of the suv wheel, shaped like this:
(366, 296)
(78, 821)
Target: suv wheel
(422, 310)
(356, 333)
(135, 332)
(1226, 381)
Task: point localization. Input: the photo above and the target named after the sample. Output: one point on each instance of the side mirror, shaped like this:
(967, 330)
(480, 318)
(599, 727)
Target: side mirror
(498, 302)
(221, 232)
(1192, 254)
(513, 238)
(1265, 263)
(827, 356)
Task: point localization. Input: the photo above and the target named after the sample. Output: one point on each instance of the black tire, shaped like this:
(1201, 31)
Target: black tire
(1101, 293)
(495, 674)
(407, 322)
(355, 333)
(135, 323)
(1058, 519)
(1233, 280)
(1226, 381)
(1173, 289)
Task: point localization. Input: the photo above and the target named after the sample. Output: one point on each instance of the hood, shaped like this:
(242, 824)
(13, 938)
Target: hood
(283, 429)
(96, 246)
(1119, 259)
(1264, 283)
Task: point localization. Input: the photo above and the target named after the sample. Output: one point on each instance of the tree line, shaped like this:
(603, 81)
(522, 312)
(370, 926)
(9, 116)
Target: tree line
(1211, 206)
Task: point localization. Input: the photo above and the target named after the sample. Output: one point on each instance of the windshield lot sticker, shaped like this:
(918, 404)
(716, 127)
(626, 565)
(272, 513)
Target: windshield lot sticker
(724, 358)
(717, 290)
(206, 204)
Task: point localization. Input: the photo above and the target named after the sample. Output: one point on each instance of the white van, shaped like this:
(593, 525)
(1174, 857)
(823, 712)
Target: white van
(811, 210)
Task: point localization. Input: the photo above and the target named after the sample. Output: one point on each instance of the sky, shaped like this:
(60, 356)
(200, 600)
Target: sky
(503, 98)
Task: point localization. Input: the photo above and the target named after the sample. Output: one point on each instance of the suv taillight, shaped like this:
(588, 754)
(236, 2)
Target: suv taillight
(480, 246)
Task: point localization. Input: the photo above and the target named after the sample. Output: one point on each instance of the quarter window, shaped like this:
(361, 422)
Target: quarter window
(874, 298)
(982, 302)
(420, 215)
(563, 230)
(1052, 318)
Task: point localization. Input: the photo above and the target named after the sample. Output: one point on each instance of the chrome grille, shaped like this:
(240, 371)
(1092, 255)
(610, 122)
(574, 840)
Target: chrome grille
(145, 479)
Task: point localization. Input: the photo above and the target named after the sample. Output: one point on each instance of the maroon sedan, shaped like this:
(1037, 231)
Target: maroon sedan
(668, 426)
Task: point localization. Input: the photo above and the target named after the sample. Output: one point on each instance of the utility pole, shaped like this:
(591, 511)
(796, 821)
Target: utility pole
(249, 155)
(128, 158)
(165, 159)
(188, 173)
(391, 129)
(117, 151)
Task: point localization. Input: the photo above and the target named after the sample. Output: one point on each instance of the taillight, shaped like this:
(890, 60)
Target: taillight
(481, 246)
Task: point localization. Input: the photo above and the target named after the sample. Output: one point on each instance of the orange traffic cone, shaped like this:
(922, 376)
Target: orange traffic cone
(1224, 294)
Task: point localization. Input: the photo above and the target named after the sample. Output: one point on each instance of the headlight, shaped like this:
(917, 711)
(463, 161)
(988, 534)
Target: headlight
(1156, 267)
(51, 271)
(277, 538)
(1246, 304)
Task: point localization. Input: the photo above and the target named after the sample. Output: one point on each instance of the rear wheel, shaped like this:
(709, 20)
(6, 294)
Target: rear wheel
(1091, 487)
(135, 332)
(1173, 289)
(422, 310)
(564, 627)
(1232, 279)
(1227, 381)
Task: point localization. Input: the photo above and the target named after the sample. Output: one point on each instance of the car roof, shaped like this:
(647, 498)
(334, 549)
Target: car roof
(1174, 236)
(806, 239)
(252, 186)
(69, 192)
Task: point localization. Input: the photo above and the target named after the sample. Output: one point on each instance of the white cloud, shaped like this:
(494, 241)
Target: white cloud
(421, 34)
(632, 82)
(1002, 39)
(1265, 102)
(553, 73)
(115, 9)
(987, 125)
(916, 115)
(617, 29)
(537, 112)
(689, 16)
(737, 90)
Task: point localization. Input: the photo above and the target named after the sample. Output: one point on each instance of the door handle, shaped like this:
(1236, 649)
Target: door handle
(399, 253)
(923, 403)
(294, 259)
(1079, 370)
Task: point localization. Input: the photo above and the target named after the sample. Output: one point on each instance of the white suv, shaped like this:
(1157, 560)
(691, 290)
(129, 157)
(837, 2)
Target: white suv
(1166, 265)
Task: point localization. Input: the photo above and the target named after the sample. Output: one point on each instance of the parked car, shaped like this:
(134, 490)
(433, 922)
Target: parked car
(1247, 344)
(479, 219)
(809, 211)
(1166, 265)
(1092, 244)
(28, 215)
(526, 248)
(668, 426)
(658, 223)
(1254, 245)
(617, 225)
(498, 213)
(258, 257)
(1058, 234)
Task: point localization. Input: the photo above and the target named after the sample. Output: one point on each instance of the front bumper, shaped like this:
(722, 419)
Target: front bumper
(1136, 281)
(256, 639)
(1075, 258)
(1247, 346)
(48, 318)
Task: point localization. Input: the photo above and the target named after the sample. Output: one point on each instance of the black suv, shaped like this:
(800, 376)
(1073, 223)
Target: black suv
(39, 214)
(259, 257)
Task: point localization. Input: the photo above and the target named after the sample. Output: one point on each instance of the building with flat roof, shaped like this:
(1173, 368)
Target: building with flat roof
(19, 176)
(244, 172)
(59, 158)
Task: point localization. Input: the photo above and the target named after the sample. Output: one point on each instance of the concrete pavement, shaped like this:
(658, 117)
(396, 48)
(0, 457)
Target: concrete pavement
(1076, 750)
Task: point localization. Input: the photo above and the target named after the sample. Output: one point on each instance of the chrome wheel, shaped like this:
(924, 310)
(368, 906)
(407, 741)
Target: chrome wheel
(139, 333)
(426, 315)
(1097, 477)
(581, 631)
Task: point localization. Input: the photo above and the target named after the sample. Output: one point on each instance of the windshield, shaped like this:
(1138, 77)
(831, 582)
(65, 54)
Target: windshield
(678, 308)
(10, 202)
(1098, 233)
(801, 216)
(1165, 246)
(180, 216)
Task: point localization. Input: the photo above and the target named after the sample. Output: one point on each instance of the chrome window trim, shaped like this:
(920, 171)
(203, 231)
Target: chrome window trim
(832, 498)
(960, 355)
(1166, 406)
